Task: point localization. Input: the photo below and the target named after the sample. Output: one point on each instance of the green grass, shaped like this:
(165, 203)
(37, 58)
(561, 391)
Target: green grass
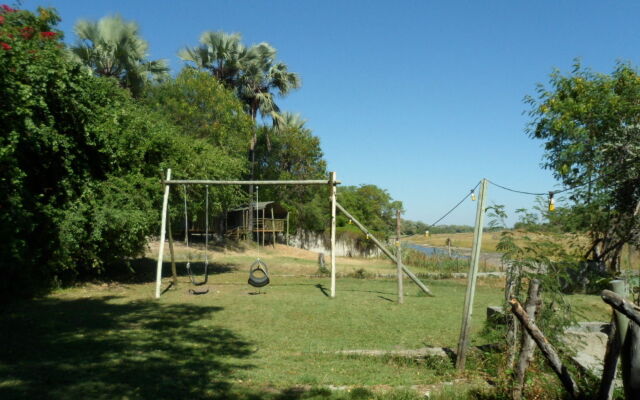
(116, 341)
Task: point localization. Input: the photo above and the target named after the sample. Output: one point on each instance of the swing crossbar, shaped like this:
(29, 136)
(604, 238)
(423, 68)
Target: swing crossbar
(210, 182)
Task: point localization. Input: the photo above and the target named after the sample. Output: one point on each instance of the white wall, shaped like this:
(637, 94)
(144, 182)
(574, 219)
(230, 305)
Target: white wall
(345, 247)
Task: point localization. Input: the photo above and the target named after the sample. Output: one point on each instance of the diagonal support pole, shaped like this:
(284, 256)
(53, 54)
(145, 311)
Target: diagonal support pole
(385, 251)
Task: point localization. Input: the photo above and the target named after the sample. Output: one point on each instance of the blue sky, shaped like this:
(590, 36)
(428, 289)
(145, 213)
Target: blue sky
(421, 98)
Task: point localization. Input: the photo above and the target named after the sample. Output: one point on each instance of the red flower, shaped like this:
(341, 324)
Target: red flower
(7, 8)
(1, 20)
(26, 32)
(47, 34)
(5, 46)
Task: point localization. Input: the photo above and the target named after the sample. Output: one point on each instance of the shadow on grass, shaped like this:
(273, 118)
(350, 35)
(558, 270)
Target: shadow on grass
(143, 270)
(98, 349)
(198, 242)
(322, 289)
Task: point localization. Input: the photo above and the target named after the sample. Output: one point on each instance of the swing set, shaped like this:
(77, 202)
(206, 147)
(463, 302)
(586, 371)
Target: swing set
(258, 271)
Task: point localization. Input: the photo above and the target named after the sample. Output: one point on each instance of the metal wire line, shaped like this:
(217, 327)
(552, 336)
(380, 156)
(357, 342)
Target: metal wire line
(456, 206)
(545, 193)
(518, 191)
(510, 190)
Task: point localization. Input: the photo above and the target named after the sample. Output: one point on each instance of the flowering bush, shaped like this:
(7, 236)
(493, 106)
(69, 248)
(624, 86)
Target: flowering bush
(21, 30)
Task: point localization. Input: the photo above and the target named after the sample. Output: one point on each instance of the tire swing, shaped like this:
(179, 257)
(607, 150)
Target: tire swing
(258, 272)
(206, 240)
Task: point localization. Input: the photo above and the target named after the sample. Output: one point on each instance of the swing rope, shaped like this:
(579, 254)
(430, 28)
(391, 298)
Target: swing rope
(186, 234)
(258, 272)
(206, 250)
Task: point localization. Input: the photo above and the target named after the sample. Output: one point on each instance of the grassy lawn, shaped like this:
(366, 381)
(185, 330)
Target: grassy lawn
(116, 341)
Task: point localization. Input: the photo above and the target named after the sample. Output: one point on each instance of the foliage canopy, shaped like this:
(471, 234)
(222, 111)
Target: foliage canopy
(590, 125)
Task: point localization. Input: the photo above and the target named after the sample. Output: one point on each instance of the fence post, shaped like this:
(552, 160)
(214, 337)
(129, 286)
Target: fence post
(399, 260)
(273, 228)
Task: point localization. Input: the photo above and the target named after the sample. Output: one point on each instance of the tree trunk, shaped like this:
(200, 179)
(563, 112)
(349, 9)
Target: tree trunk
(528, 346)
(252, 160)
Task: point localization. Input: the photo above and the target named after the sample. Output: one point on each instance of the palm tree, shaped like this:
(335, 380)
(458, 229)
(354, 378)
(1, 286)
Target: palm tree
(259, 82)
(259, 79)
(251, 72)
(221, 53)
(112, 47)
(290, 121)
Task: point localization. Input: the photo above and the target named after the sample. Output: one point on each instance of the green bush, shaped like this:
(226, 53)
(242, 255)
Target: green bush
(80, 163)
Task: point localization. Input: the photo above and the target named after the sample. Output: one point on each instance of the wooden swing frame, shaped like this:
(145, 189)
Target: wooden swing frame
(168, 182)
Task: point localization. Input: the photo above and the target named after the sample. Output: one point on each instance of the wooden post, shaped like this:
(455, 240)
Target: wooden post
(163, 233)
(449, 247)
(627, 318)
(547, 350)
(287, 237)
(528, 345)
(610, 364)
(618, 287)
(630, 361)
(384, 250)
(471, 279)
(625, 307)
(614, 344)
(399, 260)
(174, 272)
(513, 278)
(332, 190)
(273, 229)
(264, 226)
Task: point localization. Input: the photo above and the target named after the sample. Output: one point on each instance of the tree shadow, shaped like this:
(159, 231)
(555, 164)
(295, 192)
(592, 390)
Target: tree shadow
(198, 242)
(143, 270)
(101, 348)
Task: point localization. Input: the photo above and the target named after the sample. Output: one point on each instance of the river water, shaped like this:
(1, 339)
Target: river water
(434, 251)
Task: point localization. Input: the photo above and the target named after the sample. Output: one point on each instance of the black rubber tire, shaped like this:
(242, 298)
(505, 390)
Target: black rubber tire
(258, 281)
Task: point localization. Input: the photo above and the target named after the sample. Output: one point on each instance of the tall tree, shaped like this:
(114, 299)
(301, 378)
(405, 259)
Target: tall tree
(590, 123)
(220, 53)
(113, 47)
(251, 71)
(259, 82)
(203, 108)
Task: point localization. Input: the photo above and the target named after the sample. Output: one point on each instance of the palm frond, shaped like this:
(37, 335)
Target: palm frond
(113, 47)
